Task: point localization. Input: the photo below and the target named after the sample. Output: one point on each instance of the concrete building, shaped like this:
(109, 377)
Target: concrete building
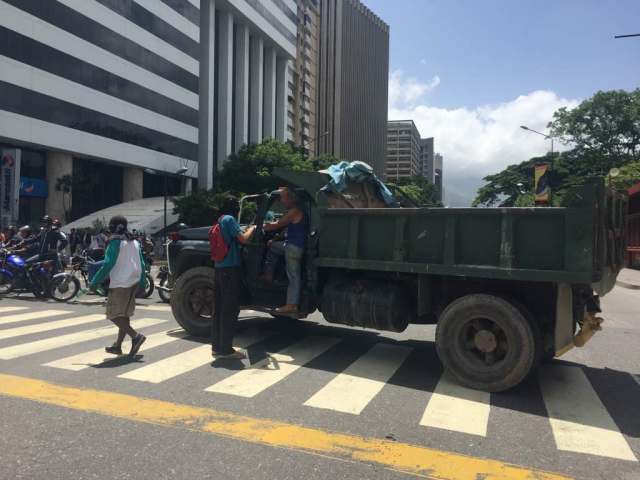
(304, 77)
(426, 158)
(403, 150)
(432, 163)
(353, 79)
(105, 92)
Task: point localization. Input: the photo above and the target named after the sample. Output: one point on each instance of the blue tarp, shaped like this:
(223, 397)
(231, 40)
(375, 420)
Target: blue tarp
(344, 173)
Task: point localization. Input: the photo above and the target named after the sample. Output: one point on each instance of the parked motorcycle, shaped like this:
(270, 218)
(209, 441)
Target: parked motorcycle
(44, 279)
(86, 267)
(164, 288)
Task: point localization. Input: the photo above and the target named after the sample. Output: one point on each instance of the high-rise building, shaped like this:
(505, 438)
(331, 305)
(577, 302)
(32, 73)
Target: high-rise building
(106, 89)
(438, 179)
(353, 79)
(403, 150)
(431, 164)
(427, 158)
(304, 77)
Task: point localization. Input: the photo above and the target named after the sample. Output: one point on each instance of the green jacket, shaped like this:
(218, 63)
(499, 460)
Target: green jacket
(110, 258)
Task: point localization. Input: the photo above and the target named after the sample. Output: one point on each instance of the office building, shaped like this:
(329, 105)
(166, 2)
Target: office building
(403, 150)
(353, 79)
(304, 77)
(431, 163)
(118, 93)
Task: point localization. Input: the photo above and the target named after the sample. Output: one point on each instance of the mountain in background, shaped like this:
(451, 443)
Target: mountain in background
(460, 191)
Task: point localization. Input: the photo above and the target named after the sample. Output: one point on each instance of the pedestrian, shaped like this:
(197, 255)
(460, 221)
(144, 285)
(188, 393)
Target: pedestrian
(225, 238)
(124, 265)
(73, 241)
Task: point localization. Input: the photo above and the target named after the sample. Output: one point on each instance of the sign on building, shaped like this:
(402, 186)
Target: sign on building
(9, 186)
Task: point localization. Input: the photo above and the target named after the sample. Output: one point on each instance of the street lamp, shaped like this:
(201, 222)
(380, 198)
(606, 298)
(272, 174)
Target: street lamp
(548, 137)
(315, 141)
(181, 171)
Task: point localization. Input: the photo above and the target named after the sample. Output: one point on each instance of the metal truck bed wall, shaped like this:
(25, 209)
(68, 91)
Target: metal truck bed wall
(552, 244)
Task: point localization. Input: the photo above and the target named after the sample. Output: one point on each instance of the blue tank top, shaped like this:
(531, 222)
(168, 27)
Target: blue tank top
(297, 232)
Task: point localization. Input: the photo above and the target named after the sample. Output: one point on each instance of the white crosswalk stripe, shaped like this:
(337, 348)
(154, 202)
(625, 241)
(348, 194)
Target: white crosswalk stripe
(252, 381)
(579, 420)
(184, 362)
(29, 348)
(46, 326)
(456, 408)
(155, 308)
(99, 356)
(11, 309)
(352, 390)
(38, 314)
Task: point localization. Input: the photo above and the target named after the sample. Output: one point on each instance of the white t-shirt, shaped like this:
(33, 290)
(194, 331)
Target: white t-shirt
(128, 268)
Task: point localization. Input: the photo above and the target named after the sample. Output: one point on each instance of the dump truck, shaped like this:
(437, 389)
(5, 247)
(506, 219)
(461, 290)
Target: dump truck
(507, 288)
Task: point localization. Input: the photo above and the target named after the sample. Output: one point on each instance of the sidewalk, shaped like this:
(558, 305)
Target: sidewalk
(629, 278)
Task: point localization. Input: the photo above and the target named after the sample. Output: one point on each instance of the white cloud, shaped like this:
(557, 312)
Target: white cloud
(406, 91)
(476, 141)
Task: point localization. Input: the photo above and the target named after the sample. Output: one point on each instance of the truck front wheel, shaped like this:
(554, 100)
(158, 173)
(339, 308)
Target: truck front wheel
(192, 301)
(487, 343)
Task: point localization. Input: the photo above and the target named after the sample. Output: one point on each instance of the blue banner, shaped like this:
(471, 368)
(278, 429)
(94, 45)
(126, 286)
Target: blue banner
(33, 187)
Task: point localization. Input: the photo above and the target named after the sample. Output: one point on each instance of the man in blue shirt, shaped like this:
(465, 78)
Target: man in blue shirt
(228, 282)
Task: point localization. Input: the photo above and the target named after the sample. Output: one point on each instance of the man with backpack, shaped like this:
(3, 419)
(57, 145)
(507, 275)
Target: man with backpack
(225, 238)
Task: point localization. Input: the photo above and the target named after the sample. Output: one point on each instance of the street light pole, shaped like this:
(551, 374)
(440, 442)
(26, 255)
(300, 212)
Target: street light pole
(181, 171)
(548, 137)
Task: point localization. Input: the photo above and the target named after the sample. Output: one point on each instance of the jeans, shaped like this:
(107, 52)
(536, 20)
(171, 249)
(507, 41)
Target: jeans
(293, 260)
(226, 309)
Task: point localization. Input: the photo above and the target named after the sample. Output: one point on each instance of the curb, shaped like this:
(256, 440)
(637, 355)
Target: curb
(630, 286)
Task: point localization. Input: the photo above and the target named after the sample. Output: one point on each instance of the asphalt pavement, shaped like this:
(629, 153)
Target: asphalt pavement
(313, 400)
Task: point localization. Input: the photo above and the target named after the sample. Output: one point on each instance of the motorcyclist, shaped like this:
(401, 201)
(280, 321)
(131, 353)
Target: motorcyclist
(27, 244)
(50, 241)
(10, 238)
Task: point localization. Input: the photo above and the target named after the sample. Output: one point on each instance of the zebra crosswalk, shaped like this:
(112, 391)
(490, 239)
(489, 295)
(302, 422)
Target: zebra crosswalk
(578, 420)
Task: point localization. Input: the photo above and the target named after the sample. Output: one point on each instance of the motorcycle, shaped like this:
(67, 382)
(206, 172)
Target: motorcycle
(164, 289)
(45, 279)
(87, 266)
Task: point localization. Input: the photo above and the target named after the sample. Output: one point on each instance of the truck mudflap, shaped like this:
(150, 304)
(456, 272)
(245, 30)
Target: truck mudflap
(589, 325)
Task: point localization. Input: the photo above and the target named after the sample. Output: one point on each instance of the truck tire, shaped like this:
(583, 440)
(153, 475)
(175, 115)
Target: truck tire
(192, 301)
(487, 343)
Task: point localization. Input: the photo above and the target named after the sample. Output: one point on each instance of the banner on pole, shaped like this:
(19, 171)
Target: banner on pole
(9, 185)
(542, 183)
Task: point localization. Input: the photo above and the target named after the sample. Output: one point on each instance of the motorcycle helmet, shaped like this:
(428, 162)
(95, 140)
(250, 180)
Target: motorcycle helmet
(46, 221)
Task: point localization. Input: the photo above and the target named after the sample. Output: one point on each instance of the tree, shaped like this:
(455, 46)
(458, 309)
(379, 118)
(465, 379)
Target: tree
(604, 129)
(504, 188)
(420, 190)
(200, 208)
(247, 171)
(629, 176)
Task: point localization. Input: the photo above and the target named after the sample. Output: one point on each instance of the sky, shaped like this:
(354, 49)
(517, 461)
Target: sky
(470, 72)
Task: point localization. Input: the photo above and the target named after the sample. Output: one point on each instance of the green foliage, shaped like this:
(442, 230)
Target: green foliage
(504, 188)
(629, 176)
(200, 208)
(420, 190)
(604, 130)
(605, 133)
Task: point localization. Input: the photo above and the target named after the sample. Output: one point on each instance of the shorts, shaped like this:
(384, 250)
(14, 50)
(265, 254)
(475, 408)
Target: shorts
(121, 302)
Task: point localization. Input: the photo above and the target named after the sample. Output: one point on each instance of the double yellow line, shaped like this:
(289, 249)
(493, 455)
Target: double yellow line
(402, 457)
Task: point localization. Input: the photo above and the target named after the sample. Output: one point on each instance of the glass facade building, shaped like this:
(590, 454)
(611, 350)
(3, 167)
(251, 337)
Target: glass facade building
(113, 87)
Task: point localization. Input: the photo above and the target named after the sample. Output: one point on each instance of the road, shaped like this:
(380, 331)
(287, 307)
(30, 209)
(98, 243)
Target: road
(312, 401)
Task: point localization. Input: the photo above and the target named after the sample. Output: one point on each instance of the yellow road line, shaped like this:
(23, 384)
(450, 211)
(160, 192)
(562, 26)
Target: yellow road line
(411, 459)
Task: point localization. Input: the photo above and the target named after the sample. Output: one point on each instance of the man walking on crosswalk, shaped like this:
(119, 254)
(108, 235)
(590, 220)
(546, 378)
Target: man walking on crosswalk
(124, 265)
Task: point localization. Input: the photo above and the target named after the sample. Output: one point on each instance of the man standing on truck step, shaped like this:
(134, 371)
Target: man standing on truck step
(225, 238)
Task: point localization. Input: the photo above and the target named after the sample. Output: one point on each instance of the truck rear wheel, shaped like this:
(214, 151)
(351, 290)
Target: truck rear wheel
(192, 301)
(487, 343)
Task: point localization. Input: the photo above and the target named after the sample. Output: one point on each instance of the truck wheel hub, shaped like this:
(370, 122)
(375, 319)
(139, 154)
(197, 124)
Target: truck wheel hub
(485, 341)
